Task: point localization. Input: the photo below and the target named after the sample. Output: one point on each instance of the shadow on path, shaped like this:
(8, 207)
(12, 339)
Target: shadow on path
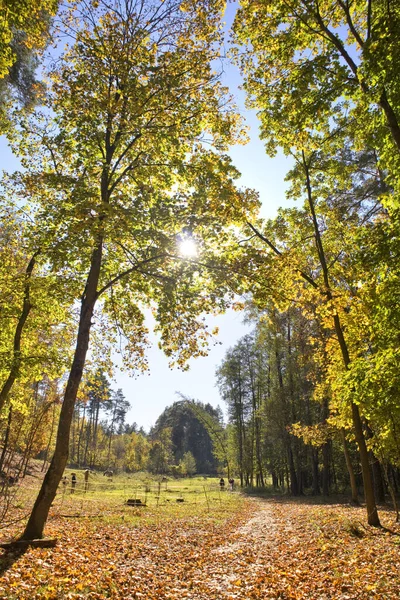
(9, 557)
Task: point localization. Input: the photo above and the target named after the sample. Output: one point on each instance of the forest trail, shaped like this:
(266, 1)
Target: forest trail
(289, 549)
(229, 571)
(268, 549)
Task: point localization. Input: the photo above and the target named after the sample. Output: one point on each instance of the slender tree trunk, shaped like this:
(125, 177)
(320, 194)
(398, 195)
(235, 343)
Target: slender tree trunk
(372, 512)
(315, 471)
(95, 429)
(6, 438)
(16, 357)
(37, 520)
(78, 458)
(350, 470)
(53, 422)
(88, 435)
(325, 468)
(391, 489)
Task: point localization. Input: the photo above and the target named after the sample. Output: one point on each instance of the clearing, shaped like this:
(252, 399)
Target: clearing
(212, 547)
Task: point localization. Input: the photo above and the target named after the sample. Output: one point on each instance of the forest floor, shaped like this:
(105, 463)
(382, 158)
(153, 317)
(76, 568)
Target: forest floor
(241, 548)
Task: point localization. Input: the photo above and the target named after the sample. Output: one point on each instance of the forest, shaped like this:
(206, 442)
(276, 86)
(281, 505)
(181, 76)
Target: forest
(128, 202)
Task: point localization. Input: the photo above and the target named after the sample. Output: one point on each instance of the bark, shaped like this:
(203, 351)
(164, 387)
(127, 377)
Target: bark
(391, 118)
(377, 475)
(378, 479)
(37, 520)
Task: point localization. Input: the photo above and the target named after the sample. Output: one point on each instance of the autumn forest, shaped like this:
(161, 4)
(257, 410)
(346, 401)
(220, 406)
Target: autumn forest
(127, 203)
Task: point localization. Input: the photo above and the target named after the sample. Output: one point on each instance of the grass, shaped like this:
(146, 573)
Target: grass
(105, 500)
(169, 499)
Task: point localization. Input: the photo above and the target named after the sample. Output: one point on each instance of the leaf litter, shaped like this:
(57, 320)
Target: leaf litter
(254, 548)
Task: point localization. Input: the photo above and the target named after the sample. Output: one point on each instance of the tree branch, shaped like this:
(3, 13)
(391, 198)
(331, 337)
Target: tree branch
(128, 272)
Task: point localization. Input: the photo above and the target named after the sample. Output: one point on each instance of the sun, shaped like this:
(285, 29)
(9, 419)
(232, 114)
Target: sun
(188, 248)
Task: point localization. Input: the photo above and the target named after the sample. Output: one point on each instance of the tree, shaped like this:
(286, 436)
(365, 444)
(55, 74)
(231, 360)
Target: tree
(24, 33)
(137, 454)
(99, 396)
(212, 421)
(187, 465)
(35, 309)
(116, 407)
(316, 72)
(160, 453)
(126, 174)
(331, 298)
(310, 64)
(189, 432)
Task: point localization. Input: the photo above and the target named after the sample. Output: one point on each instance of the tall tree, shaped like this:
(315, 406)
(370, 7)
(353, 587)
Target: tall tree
(116, 407)
(189, 432)
(127, 173)
(309, 63)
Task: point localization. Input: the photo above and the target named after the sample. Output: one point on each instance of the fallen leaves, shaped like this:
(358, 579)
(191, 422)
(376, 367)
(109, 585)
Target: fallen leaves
(274, 549)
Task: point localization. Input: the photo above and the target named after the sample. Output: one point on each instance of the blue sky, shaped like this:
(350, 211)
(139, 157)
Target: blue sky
(149, 394)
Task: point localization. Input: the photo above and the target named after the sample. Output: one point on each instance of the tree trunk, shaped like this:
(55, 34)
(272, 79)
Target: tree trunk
(37, 520)
(16, 357)
(325, 469)
(391, 118)
(78, 458)
(315, 472)
(6, 438)
(372, 512)
(350, 470)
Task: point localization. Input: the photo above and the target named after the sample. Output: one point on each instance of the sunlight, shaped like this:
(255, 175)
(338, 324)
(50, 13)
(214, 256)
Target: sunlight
(188, 248)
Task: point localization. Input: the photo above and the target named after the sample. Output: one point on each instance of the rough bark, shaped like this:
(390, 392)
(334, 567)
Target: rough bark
(37, 520)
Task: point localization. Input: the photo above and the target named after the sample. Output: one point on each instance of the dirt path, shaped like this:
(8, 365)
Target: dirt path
(295, 550)
(233, 568)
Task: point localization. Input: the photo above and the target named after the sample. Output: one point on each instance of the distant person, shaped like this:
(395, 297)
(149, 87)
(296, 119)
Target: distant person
(222, 483)
(64, 482)
(73, 483)
(231, 483)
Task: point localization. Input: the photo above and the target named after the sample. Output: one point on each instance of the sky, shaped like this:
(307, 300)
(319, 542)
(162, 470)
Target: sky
(149, 394)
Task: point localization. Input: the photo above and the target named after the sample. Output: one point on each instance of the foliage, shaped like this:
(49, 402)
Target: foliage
(35, 310)
(24, 33)
(189, 432)
(312, 66)
(187, 465)
(120, 172)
